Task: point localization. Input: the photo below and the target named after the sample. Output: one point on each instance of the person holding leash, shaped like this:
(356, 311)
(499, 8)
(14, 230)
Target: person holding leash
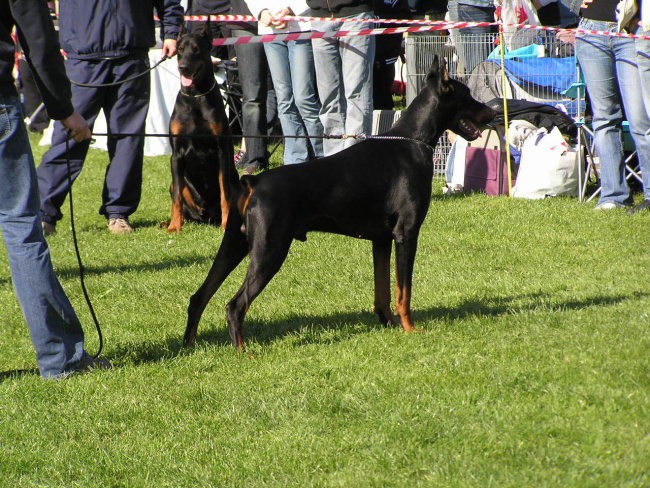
(107, 44)
(55, 330)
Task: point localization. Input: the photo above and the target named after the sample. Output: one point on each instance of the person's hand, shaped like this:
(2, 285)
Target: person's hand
(77, 127)
(278, 18)
(566, 36)
(169, 48)
(274, 20)
(265, 18)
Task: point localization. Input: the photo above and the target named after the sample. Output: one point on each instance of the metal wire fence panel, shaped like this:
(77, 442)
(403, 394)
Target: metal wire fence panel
(538, 68)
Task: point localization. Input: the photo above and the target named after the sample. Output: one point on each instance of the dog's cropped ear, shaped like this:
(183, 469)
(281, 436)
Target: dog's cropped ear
(207, 31)
(181, 32)
(444, 72)
(434, 71)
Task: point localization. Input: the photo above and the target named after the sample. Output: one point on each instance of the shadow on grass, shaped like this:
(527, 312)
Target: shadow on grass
(17, 373)
(264, 333)
(73, 272)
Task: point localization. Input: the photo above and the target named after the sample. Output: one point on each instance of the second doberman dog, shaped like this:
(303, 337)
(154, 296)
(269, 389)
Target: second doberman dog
(197, 189)
(378, 189)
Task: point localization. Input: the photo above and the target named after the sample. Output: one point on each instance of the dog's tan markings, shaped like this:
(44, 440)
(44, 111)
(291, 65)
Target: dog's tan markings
(245, 199)
(176, 223)
(216, 128)
(175, 127)
(189, 200)
(403, 308)
(225, 205)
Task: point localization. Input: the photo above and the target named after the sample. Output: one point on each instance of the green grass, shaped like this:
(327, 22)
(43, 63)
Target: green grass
(530, 367)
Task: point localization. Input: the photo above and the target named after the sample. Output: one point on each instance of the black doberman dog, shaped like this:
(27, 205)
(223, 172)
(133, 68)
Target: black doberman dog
(378, 189)
(197, 190)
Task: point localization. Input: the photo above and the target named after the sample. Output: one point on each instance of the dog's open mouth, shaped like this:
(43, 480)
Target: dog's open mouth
(186, 81)
(469, 128)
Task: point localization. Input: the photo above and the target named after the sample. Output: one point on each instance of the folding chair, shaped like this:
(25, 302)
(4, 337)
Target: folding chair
(632, 170)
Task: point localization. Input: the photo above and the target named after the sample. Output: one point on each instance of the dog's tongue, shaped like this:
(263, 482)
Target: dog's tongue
(186, 81)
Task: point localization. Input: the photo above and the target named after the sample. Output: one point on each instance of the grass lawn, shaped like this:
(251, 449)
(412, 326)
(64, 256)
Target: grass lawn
(530, 368)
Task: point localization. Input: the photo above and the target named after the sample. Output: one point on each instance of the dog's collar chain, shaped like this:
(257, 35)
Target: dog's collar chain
(214, 83)
(395, 138)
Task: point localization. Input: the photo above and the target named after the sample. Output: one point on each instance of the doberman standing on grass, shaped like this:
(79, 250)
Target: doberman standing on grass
(379, 189)
(202, 148)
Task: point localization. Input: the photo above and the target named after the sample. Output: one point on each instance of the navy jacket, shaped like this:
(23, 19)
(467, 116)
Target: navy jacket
(38, 39)
(91, 29)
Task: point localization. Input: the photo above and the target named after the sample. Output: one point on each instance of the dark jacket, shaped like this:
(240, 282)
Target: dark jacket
(42, 50)
(205, 7)
(91, 29)
(338, 8)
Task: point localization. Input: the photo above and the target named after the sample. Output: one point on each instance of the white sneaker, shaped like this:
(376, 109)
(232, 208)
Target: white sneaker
(119, 226)
(606, 206)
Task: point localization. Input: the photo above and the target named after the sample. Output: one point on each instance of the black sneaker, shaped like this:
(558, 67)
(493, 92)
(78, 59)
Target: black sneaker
(644, 205)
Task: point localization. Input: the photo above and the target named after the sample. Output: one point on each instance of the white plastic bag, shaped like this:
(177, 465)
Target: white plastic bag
(548, 167)
(513, 12)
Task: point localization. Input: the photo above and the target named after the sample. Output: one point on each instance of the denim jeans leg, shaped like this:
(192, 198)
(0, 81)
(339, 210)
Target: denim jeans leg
(344, 77)
(643, 62)
(303, 80)
(253, 72)
(296, 149)
(599, 66)
(473, 47)
(53, 325)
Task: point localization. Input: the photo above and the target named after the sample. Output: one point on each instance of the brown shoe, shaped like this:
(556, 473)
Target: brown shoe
(119, 226)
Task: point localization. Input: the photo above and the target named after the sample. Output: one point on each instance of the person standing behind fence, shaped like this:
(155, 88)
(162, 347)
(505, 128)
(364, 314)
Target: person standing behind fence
(294, 78)
(107, 43)
(643, 60)
(613, 82)
(472, 44)
(54, 328)
(344, 70)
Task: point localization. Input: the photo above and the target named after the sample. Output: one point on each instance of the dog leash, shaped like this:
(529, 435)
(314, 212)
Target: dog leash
(76, 249)
(117, 83)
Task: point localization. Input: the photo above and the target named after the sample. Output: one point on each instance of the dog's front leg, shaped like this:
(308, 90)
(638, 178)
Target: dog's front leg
(381, 250)
(176, 190)
(405, 249)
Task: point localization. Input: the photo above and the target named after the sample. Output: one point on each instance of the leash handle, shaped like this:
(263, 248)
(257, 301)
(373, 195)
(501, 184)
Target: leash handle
(76, 249)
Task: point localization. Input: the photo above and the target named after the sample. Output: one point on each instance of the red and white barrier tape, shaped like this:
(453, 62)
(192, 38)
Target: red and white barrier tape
(429, 25)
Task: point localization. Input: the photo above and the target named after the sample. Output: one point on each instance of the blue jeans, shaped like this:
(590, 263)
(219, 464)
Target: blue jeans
(473, 46)
(294, 79)
(643, 61)
(613, 83)
(344, 78)
(53, 325)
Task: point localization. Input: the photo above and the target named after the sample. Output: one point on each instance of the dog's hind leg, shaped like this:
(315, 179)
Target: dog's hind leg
(405, 249)
(381, 250)
(232, 251)
(265, 261)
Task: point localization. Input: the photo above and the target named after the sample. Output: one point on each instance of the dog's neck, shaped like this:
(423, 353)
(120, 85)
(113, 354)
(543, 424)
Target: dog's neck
(201, 89)
(419, 121)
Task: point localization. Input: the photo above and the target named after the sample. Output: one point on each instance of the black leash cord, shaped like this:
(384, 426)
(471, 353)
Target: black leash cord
(104, 85)
(76, 249)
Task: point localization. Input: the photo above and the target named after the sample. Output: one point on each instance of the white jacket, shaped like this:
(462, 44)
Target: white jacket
(298, 7)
